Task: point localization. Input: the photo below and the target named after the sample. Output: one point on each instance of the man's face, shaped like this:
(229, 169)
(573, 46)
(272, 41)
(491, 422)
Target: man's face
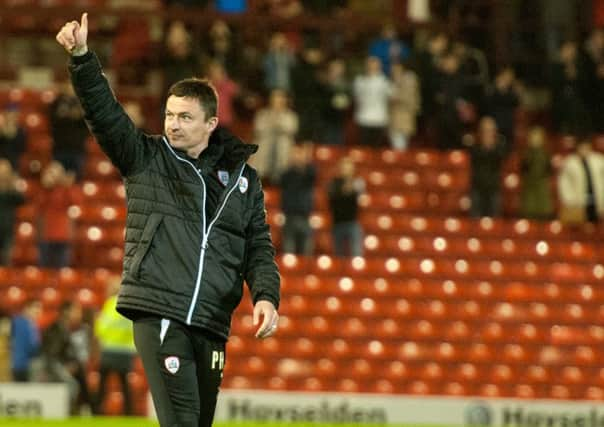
(186, 125)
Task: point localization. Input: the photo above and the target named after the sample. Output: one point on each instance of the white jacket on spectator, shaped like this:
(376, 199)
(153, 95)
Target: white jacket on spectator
(572, 181)
(372, 94)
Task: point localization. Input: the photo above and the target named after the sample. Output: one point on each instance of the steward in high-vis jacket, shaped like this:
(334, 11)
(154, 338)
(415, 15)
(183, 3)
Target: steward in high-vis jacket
(195, 231)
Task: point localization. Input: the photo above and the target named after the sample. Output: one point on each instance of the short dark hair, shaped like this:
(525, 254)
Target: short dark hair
(199, 89)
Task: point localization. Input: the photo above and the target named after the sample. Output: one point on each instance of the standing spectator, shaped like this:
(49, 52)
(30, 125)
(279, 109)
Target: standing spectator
(82, 340)
(135, 112)
(231, 6)
(278, 63)
(179, 60)
(568, 79)
(486, 158)
(308, 93)
(297, 185)
(25, 340)
(114, 334)
(591, 65)
(474, 69)
(68, 130)
(284, 9)
(12, 135)
(221, 46)
(10, 198)
(501, 102)
(536, 199)
(404, 106)
(59, 355)
(55, 226)
(226, 89)
(188, 3)
(452, 109)
(5, 350)
(581, 185)
(338, 101)
(388, 48)
(426, 63)
(559, 20)
(275, 129)
(343, 192)
(372, 91)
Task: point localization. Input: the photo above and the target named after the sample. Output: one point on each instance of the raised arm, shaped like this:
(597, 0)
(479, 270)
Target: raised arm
(127, 147)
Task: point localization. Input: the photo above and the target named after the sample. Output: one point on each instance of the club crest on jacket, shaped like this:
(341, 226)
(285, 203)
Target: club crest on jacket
(243, 184)
(172, 364)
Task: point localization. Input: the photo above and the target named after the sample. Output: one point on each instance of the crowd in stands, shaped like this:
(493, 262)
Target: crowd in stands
(295, 93)
(63, 350)
(295, 89)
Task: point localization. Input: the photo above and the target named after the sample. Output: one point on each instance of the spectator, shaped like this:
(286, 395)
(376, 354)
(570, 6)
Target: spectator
(474, 69)
(453, 109)
(389, 49)
(297, 185)
(68, 130)
(372, 91)
(10, 198)
(231, 6)
(227, 90)
(338, 102)
(82, 340)
(284, 9)
(275, 128)
(308, 93)
(114, 333)
(59, 355)
(581, 185)
(188, 3)
(426, 64)
(12, 135)
(404, 106)
(220, 47)
(278, 63)
(591, 65)
(536, 199)
(486, 158)
(343, 193)
(55, 227)
(5, 356)
(558, 20)
(501, 102)
(135, 112)
(322, 7)
(25, 340)
(569, 111)
(179, 60)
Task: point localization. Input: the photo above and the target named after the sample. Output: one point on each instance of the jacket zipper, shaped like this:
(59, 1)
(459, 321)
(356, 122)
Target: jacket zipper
(205, 234)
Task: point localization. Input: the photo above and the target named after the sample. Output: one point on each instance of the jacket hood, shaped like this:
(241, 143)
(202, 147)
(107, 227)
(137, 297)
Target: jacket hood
(234, 150)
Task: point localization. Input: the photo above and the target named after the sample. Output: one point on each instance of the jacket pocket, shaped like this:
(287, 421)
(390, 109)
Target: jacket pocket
(144, 244)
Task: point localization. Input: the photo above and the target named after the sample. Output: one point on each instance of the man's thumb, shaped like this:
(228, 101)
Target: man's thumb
(256, 316)
(84, 24)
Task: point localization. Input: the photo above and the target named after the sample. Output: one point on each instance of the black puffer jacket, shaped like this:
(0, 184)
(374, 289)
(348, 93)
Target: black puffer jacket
(184, 259)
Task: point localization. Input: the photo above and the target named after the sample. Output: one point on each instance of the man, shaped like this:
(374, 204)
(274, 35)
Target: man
(343, 192)
(60, 361)
(487, 155)
(297, 190)
(114, 334)
(581, 185)
(372, 91)
(25, 340)
(196, 229)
